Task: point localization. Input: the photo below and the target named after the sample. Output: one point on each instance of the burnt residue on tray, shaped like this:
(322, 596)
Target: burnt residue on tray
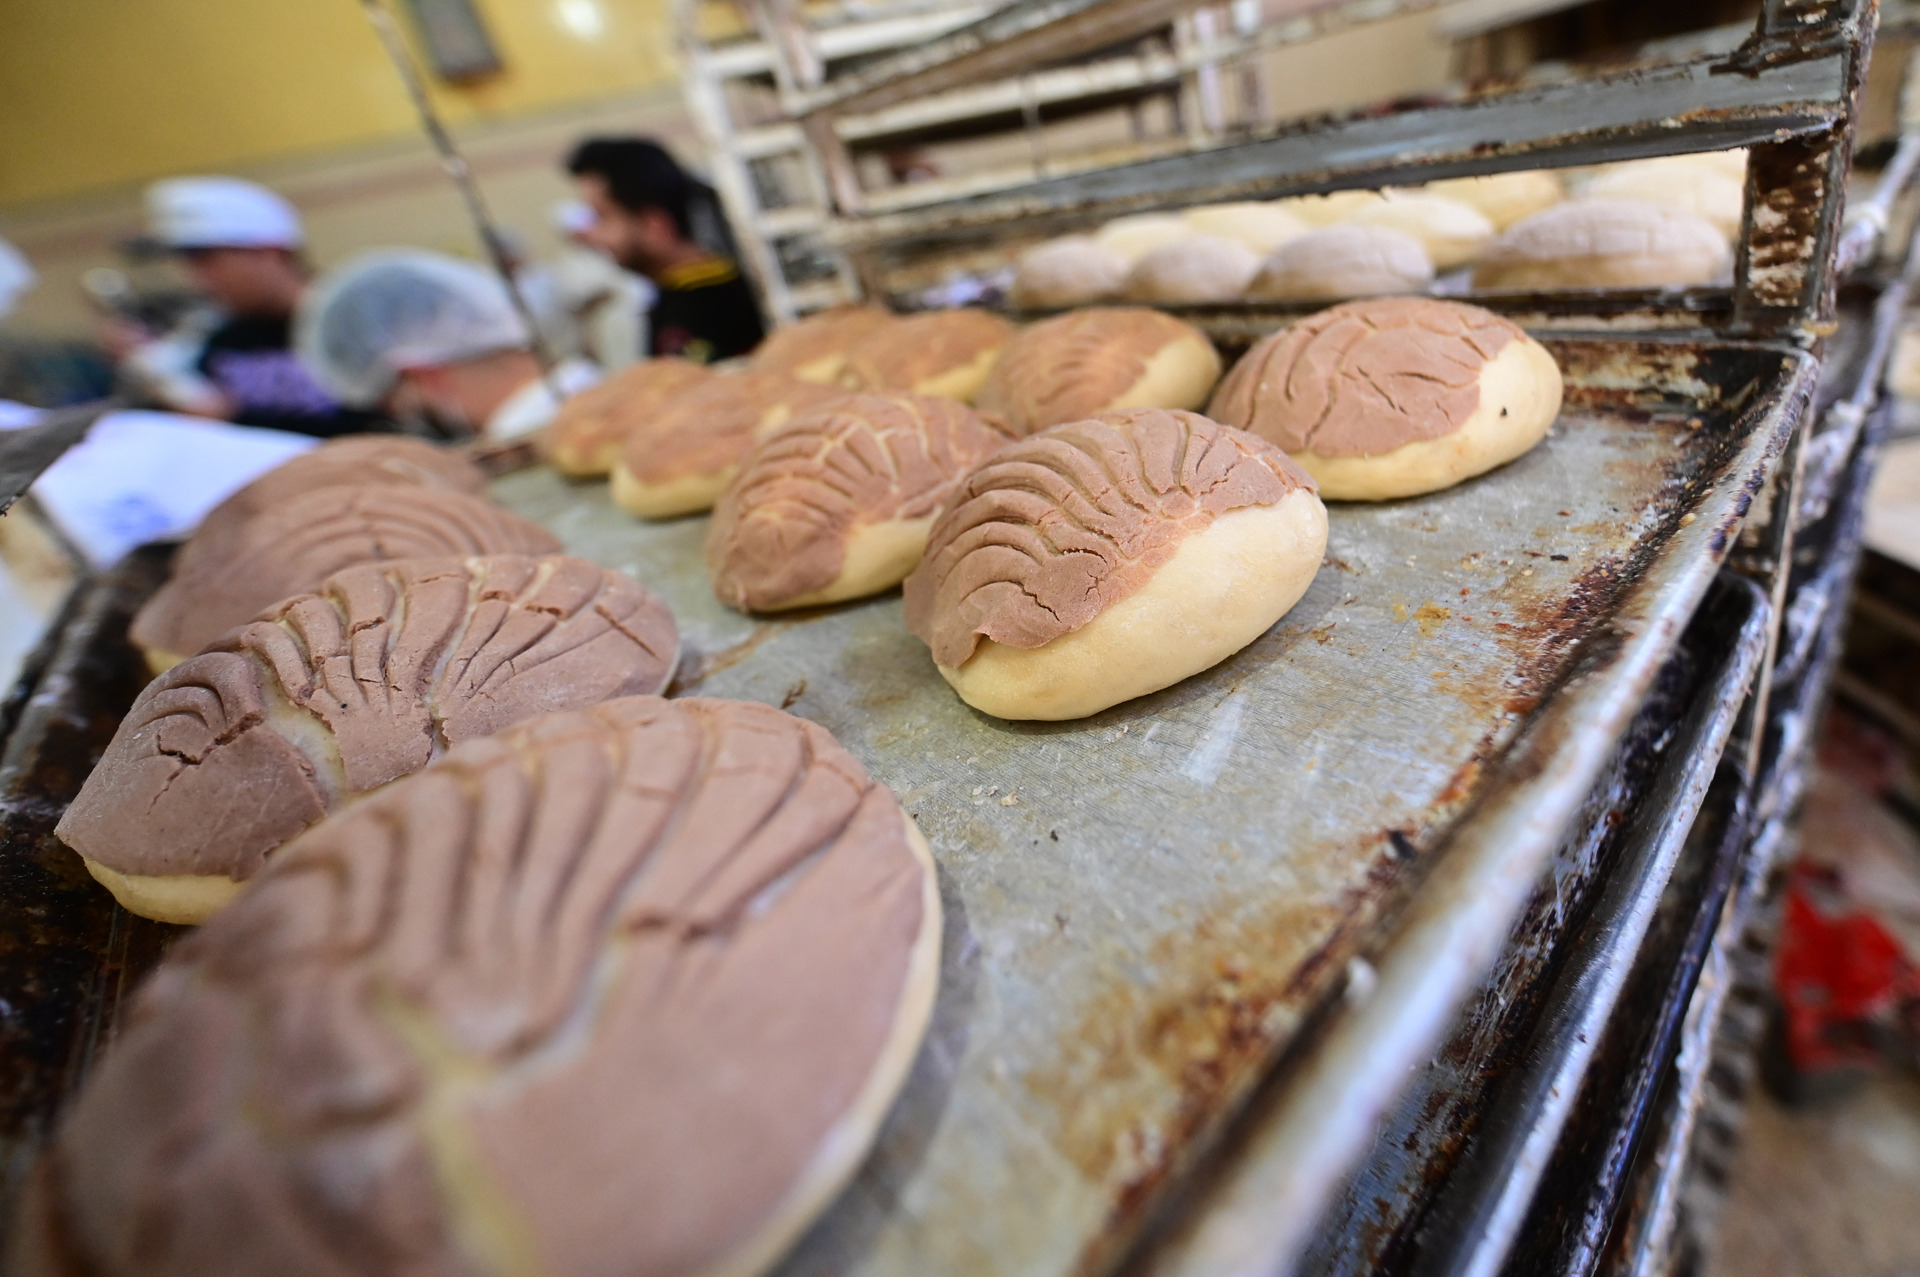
(69, 955)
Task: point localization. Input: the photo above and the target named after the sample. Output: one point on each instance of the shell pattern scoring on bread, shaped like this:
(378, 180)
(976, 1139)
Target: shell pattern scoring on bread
(225, 578)
(837, 503)
(1395, 396)
(1072, 366)
(681, 462)
(351, 461)
(937, 352)
(626, 989)
(1101, 560)
(815, 348)
(585, 438)
(334, 693)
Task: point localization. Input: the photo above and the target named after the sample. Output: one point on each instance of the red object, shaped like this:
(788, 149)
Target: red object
(1843, 980)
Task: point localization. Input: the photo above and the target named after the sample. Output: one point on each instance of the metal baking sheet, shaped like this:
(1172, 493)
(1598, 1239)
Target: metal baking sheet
(1143, 908)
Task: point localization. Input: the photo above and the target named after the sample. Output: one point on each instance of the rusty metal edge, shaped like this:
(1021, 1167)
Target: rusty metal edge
(1485, 1214)
(1693, 106)
(1265, 1206)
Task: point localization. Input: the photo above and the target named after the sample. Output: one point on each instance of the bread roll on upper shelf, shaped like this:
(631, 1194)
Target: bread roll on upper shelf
(1135, 236)
(1689, 183)
(1395, 396)
(1452, 233)
(1338, 262)
(1605, 244)
(1196, 270)
(1072, 271)
(1504, 198)
(1262, 227)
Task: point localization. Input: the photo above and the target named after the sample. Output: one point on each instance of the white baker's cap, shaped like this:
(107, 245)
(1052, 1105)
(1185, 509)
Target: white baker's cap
(16, 276)
(220, 212)
(381, 313)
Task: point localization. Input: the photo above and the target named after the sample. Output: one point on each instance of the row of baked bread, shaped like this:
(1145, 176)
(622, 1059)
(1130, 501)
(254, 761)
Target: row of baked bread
(516, 966)
(1080, 536)
(1645, 223)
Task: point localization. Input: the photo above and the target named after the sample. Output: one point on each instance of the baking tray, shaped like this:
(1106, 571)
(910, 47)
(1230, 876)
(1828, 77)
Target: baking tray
(1145, 908)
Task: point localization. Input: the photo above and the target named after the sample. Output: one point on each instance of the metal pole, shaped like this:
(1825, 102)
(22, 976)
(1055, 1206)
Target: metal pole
(462, 174)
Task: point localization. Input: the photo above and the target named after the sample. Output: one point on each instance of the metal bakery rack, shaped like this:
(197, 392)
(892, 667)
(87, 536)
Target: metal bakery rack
(1415, 938)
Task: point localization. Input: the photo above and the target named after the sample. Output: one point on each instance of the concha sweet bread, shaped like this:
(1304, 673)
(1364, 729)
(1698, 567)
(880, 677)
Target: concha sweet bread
(1338, 262)
(1071, 271)
(331, 694)
(1606, 244)
(1504, 198)
(227, 576)
(1452, 233)
(938, 352)
(1686, 182)
(1193, 271)
(684, 459)
(585, 437)
(1330, 209)
(837, 503)
(1395, 396)
(622, 990)
(815, 348)
(1262, 227)
(1134, 236)
(1073, 366)
(349, 461)
(1101, 560)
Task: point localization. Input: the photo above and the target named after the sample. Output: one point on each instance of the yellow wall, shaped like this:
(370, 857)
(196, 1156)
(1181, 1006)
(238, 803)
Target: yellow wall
(97, 93)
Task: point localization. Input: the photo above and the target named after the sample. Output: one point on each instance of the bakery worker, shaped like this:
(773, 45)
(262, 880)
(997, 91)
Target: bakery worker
(650, 217)
(240, 244)
(432, 341)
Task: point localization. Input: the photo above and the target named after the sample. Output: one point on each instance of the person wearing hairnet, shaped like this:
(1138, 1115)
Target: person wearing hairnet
(652, 218)
(431, 340)
(241, 245)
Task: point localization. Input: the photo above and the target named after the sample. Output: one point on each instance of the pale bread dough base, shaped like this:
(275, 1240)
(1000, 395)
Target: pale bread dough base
(824, 371)
(187, 899)
(961, 383)
(1522, 379)
(1181, 374)
(575, 464)
(159, 660)
(1612, 270)
(1223, 588)
(490, 1227)
(879, 557)
(692, 495)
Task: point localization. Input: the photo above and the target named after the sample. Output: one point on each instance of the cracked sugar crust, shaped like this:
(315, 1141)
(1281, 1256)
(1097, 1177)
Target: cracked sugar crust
(713, 426)
(432, 1035)
(1057, 527)
(1364, 378)
(586, 435)
(815, 348)
(334, 693)
(224, 581)
(906, 354)
(781, 530)
(354, 460)
(1073, 366)
(1602, 242)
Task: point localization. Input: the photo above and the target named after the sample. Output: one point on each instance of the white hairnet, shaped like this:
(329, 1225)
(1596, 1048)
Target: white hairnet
(220, 212)
(16, 276)
(380, 313)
